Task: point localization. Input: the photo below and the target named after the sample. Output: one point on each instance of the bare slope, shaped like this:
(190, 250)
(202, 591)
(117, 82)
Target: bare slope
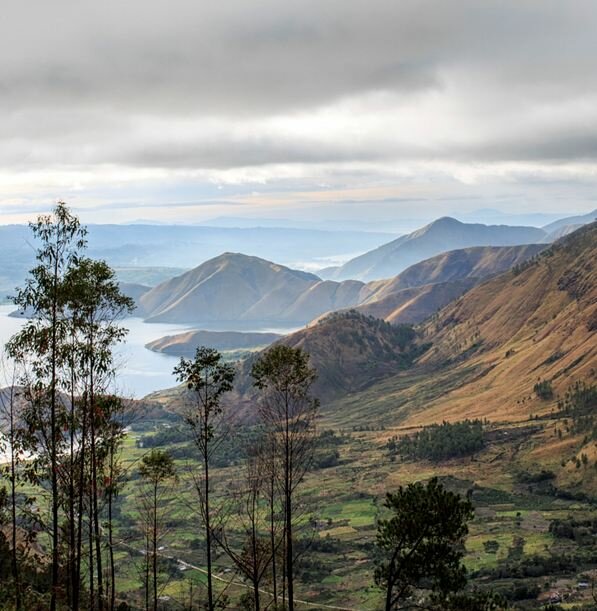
(442, 235)
(424, 288)
(235, 287)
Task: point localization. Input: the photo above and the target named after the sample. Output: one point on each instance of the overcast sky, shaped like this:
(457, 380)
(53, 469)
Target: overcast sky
(187, 110)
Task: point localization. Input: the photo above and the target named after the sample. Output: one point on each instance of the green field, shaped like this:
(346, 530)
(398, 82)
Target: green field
(340, 506)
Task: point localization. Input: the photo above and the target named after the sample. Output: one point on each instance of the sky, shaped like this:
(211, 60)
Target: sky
(319, 110)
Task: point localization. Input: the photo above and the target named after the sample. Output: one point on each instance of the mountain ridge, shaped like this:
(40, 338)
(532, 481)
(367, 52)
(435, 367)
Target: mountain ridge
(443, 234)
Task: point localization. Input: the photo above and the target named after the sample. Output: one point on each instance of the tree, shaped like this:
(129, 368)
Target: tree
(9, 414)
(255, 555)
(421, 546)
(96, 305)
(41, 345)
(207, 378)
(156, 469)
(64, 352)
(288, 411)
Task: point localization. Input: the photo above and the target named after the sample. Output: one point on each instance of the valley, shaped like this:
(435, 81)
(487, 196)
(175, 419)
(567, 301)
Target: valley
(498, 335)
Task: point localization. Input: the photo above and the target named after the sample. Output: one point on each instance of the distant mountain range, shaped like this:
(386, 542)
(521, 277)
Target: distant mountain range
(234, 288)
(442, 235)
(479, 358)
(152, 248)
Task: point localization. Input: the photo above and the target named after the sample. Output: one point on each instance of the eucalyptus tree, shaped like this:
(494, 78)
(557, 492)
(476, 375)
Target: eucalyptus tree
(96, 306)
(156, 470)
(9, 415)
(74, 307)
(41, 348)
(207, 378)
(288, 411)
(253, 555)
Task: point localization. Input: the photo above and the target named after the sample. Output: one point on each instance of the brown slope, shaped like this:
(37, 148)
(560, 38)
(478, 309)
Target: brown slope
(424, 288)
(478, 262)
(491, 346)
(413, 305)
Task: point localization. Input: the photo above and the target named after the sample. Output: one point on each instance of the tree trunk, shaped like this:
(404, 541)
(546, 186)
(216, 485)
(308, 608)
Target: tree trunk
(155, 548)
(54, 441)
(210, 595)
(288, 512)
(81, 483)
(13, 504)
(111, 534)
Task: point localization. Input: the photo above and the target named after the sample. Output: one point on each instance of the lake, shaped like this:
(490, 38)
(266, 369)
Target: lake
(140, 371)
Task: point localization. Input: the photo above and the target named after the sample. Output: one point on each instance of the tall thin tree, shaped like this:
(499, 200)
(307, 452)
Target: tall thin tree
(156, 469)
(288, 411)
(41, 344)
(207, 378)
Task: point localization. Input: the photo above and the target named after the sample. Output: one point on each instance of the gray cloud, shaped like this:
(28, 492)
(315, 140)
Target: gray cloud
(188, 84)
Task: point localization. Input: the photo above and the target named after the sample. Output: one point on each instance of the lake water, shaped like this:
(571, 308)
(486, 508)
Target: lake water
(140, 371)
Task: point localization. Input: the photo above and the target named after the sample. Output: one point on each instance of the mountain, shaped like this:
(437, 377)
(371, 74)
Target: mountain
(413, 305)
(442, 235)
(151, 246)
(230, 287)
(570, 222)
(185, 344)
(133, 290)
(349, 350)
(238, 288)
(491, 346)
(424, 288)
(562, 231)
(468, 263)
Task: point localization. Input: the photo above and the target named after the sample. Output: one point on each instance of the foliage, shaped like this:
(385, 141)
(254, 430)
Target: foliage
(422, 545)
(580, 404)
(440, 441)
(544, 390)
(287, 412)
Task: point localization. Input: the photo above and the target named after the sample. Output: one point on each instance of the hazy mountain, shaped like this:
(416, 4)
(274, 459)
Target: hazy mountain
(442, 235)
(134, 291)
(562, 231)
(571, 221)
(185, 344)
(230, 287)
(152, 246)
(236, 287)
(477, 263)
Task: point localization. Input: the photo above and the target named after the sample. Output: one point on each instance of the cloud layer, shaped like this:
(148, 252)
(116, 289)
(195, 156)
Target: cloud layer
(331, 92)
